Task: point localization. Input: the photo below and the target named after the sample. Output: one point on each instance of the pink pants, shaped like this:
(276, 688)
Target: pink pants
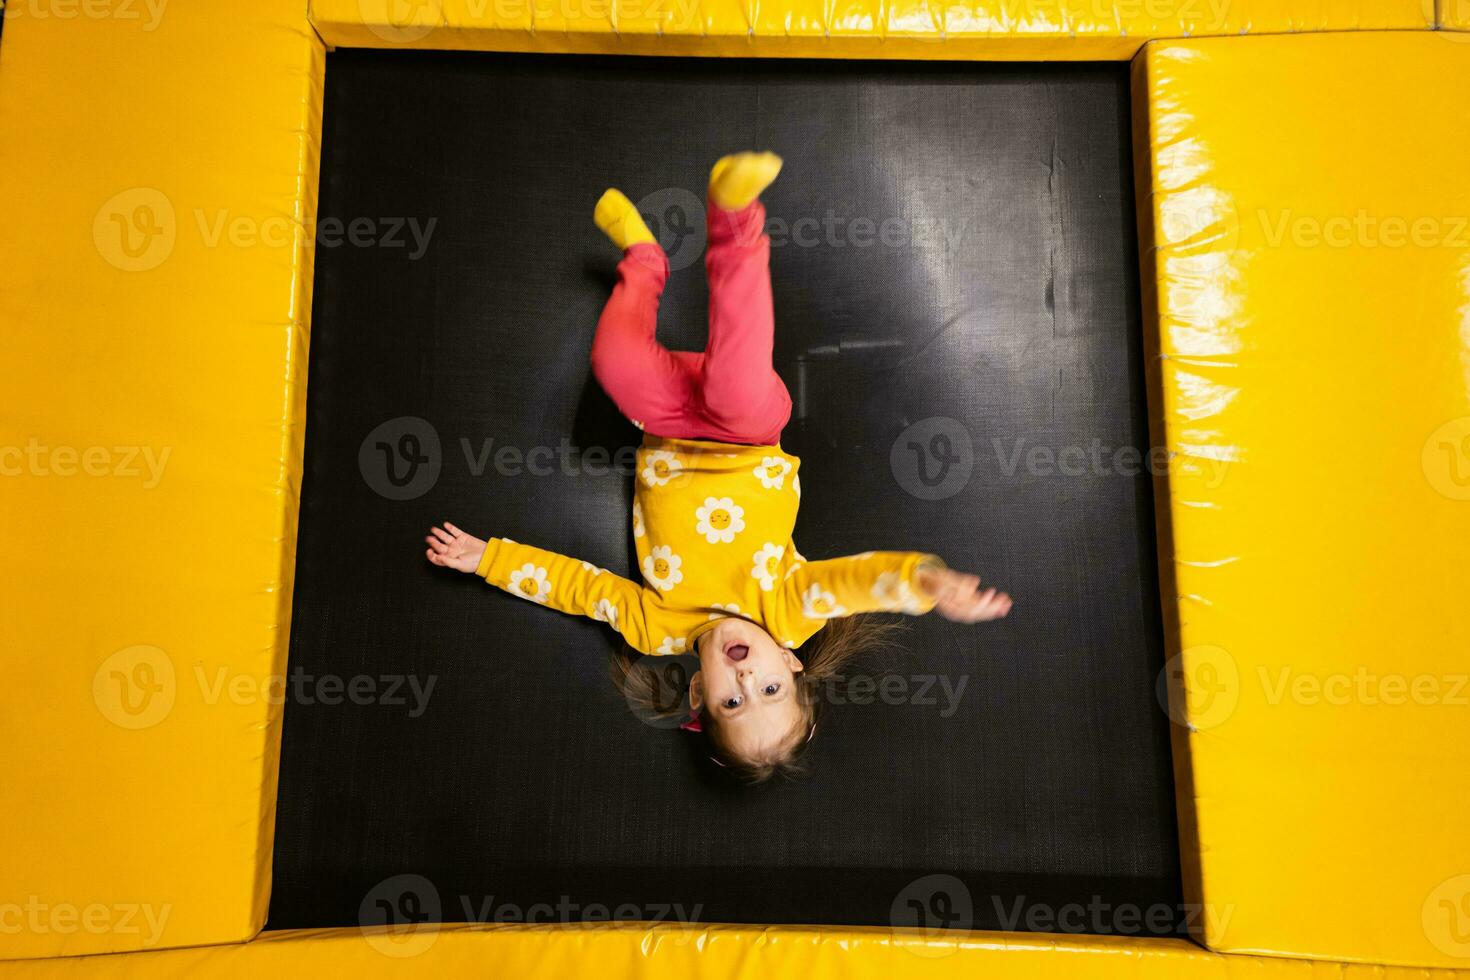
(728, 393)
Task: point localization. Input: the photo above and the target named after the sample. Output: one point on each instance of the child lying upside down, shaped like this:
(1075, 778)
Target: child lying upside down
(715, 503)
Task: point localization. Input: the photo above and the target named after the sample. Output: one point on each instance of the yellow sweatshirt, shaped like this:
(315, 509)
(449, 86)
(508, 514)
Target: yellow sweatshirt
(712, 525)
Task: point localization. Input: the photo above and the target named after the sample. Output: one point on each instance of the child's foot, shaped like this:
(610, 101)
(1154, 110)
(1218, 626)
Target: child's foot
(620, 220)
(738, 179)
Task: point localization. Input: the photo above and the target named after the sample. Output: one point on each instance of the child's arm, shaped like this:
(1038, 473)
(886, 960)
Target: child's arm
(545, 577)
(890, 581)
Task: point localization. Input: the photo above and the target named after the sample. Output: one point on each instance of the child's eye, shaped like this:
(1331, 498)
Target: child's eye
(771, 689)
(732, 702)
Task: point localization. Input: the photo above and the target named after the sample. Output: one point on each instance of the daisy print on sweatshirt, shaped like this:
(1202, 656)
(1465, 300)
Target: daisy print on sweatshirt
(660, 466)
(772, 471)
(529, 582)
(719, 520)
(765, 564)
(893, 591)
(661, 568)
(606, 612)
(818, 603)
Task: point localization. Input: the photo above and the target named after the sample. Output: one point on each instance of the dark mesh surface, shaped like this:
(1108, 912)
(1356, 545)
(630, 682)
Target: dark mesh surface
(978, 265)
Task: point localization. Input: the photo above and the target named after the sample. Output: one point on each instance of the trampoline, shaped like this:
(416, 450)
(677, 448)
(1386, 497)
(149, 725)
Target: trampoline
(956, 257)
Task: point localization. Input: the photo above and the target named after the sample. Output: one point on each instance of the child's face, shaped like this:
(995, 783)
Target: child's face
(748, 680)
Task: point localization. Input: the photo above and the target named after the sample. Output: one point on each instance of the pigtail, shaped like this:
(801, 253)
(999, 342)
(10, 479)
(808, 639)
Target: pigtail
(656, 688)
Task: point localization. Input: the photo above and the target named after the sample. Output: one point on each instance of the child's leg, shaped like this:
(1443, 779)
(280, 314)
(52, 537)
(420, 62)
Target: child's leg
(648, 382)
(741, 396)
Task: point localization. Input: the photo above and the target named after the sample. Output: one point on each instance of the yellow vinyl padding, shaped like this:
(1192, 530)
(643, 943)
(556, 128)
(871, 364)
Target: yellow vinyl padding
(1009, 30)
(154, 297)
(615, 952)
(1311, 282)
(161, 163)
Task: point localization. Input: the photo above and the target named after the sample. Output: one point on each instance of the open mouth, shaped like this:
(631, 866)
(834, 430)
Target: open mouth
(737, 651)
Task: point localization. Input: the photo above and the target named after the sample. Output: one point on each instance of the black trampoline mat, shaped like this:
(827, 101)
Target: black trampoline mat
(954, 251)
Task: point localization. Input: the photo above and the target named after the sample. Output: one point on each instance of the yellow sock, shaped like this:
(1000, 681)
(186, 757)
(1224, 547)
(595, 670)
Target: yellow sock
(620, 220)
(738, 179)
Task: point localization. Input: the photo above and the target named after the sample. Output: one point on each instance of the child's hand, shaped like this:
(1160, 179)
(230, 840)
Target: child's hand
(958, 597)
(450, 547)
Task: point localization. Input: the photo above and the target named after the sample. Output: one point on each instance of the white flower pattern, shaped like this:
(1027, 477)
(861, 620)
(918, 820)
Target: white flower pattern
(529, 582)
(606, 612)
(772, 471)
(637, 519)
(766, 563)
(661, 568)
(894, 592)
(818, 603)
(672, 646)
(730, 609)
(660, 466)
(719, 520)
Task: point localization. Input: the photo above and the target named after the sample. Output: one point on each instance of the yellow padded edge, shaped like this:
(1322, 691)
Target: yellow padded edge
(1311, 282)
(154, 293)
(630, 951)
(1454, 15)
(1028, 30)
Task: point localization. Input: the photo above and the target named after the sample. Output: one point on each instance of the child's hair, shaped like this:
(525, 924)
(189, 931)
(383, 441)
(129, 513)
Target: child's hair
(837, 644)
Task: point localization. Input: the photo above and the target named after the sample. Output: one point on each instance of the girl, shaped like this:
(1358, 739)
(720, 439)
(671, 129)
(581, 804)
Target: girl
(715, 503)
